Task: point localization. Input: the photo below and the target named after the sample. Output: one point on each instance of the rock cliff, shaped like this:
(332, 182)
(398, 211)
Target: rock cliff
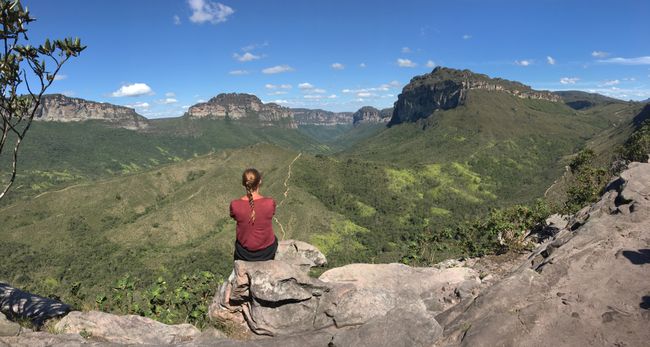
(238, 106)
(305, 116)
(369, 114)
(446, 88)
(61, 108)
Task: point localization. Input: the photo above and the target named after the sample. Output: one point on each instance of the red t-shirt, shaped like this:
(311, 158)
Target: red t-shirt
(254, 235)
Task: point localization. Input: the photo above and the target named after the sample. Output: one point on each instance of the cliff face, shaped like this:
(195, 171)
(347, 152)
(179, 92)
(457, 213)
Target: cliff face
(60, 108)
(240, 105)
(369, 114)
(446, 88)
(305, 116)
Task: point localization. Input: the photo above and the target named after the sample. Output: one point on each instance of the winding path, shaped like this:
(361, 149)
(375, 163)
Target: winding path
(286, 193)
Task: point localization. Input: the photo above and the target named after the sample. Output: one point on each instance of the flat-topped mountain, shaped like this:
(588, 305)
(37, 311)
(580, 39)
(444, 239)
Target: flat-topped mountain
(369, 114)
(305, 116)
(446, 88)
(241, 105)
(61, 108)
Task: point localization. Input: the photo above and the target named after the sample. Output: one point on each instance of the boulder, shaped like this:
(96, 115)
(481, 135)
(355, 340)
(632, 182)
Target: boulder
(43, 339)
(7, 327)
(300, 253)
(129, 329)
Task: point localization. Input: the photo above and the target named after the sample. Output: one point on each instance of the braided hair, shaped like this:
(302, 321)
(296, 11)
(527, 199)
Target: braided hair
(251, 179)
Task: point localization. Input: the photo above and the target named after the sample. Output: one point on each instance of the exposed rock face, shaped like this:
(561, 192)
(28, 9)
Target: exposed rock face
(7, 327)
(300, 253)
(128, 329)
(60, 108)
(446, 88)
(369, 114)
(305, 116)
(240, 105)
(588, 285)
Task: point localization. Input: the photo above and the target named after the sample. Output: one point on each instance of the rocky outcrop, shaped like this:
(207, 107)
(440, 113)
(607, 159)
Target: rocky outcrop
(588, 285)
(239, 105)
(61, 108)
(369, 114)
(7, 327)
(127, 329)
(305, 116)
(446, 88)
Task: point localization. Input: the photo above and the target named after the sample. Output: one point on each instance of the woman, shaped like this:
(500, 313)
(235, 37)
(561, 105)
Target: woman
(254, 215)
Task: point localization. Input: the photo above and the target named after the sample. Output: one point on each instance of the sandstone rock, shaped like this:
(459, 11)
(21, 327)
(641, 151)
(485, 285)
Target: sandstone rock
(369, 114)
(128, 329)
(591, 288)
(61, 108)
(305, 116)
(241, 105)
(410, 326)
(300, 253)
(43, 339)
(7, 327)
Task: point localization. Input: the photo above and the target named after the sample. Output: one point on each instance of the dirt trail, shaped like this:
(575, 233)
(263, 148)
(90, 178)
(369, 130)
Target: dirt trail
(286, 193)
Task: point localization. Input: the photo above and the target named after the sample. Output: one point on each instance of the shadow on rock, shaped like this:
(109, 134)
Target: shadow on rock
(645, 302)
(638, 258)
(15, 303)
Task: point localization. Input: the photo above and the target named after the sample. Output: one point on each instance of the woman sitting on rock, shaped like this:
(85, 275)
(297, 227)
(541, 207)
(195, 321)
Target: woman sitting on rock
(254, 215)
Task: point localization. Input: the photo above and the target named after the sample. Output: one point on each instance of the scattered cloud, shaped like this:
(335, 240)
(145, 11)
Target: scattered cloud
(253, 46)
(332, 96)
(550, 60)
(245, 57)
(610, 83)
(362, 65)
(524, 62)
(168, 101)
(277, 86)
(467, 37)
(569, 80)
(70, 93)
(60, 77)
(239, 72)
(135, 89)
(209, 11)
(278, 92)
(599, 54)
(382, 88)
(280, 101)
(431, 64)
(277, 69)
(338, 66)
(313, 96)
(318, 91)
(645, 60)
(170, 95)
(406, 50)
(364, 94)
(141, 105)
(305, 86)
(177, 20)
(405, 63)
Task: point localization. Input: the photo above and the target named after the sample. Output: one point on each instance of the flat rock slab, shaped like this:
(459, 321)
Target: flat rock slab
(129, 329)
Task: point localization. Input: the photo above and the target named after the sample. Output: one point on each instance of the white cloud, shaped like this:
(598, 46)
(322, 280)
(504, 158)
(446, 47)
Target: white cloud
(362, 65)
(467, 37)
(170, 95)
(338, 66)
(60, 77)
(208, 11)
(599, 54)
(135, 89)
(277, 86)
(550, 60)
(569, 80)
(405, 63)
(406, 50)
(141, 105)
(70, 93)
(524, 62)
(611, 83)
(430, 63)
(277, 69)
(305, 86)
(239, 72)
(177, 20)
(280, 101)
(278, 92)
(168, 101)
(318, 91)
(364, 94)
(627, 61)
(382, 88)
(253, 46)
(311, 96)
(333, 96)
(246, 56)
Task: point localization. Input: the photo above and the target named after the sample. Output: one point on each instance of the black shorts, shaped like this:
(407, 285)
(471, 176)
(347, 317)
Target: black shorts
(263, 254)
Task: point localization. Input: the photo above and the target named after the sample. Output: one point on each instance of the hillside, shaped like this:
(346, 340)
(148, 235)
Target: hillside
(580, 100)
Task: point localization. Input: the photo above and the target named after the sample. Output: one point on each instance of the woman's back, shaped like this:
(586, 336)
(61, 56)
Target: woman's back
(254, 234)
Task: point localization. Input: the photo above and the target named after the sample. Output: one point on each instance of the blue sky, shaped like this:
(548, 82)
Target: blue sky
(161, 56)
